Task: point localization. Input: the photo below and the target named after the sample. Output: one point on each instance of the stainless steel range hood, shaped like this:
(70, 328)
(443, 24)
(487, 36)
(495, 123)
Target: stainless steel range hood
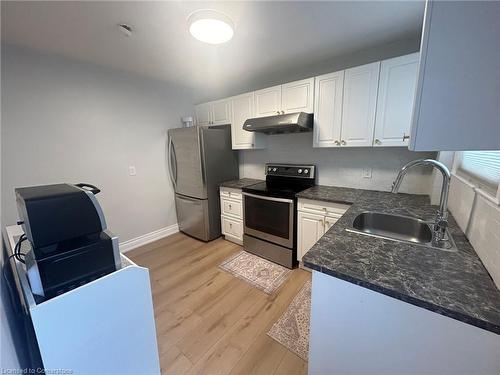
(290, 123)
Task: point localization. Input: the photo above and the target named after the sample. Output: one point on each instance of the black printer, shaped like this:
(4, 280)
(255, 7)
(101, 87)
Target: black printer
(70, 245)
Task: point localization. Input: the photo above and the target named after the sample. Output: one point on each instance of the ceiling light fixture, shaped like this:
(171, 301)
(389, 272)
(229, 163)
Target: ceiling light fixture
(210, 26)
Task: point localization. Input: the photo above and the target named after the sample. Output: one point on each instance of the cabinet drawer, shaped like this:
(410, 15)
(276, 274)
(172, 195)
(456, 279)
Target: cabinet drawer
(231, 207)
(232, 227)
(329, 208)
(231, 193)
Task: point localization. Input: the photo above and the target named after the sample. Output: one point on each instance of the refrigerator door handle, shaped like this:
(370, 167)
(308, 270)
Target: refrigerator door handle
(171, 159)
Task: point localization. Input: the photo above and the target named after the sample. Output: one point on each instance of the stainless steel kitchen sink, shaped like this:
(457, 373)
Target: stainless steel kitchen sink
(399, 228)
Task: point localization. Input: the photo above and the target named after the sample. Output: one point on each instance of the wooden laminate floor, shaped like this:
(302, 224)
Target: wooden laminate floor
(209, 322)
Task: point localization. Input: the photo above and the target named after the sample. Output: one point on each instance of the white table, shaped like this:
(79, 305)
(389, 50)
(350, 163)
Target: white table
(104, 327)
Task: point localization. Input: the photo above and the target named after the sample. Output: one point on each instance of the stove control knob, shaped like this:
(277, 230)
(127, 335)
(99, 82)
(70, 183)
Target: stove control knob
(299, 171)
(274, 169)
(306, 171)
(269, 169)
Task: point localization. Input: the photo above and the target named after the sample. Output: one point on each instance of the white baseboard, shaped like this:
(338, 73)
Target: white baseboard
(148, 237)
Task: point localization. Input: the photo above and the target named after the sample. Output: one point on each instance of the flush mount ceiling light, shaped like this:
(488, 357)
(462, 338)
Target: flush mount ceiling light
(210, 26)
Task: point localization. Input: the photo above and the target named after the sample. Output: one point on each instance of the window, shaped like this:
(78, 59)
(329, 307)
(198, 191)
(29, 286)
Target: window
(481, 167)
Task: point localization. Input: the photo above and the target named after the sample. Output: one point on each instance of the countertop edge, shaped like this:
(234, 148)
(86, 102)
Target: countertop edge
(466, 319)
(240, 183)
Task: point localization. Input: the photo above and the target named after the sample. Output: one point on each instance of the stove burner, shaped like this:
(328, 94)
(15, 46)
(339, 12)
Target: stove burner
(284, 180)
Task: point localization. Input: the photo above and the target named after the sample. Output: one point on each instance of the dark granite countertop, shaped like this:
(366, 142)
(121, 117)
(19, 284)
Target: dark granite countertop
(454, 284)
(241, 183)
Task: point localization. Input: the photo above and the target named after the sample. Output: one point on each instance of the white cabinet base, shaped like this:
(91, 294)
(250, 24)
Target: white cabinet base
(231, 201)
(355, 330)
(106, 326)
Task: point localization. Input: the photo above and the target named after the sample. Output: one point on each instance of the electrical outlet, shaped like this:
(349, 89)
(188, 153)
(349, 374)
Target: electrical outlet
(367, 173)
(132, 171)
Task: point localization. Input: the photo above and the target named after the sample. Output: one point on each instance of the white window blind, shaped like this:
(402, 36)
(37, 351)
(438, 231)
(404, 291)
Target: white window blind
(482, 165)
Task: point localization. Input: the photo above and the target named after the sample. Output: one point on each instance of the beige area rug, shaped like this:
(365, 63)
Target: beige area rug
(292, 329)
(260, 273)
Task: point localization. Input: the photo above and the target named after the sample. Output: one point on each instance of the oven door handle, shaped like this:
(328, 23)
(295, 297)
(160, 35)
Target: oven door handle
(268, 198)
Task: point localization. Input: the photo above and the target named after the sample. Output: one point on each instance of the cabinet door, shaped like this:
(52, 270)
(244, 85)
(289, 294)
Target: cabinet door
(396, 93)
(359, 104)
(242, 109)
(267, 102)
(310, 229)
(298, 96)
(457, 104)
(328, 109)
(202, 112)
(330, 220)
(221, 112)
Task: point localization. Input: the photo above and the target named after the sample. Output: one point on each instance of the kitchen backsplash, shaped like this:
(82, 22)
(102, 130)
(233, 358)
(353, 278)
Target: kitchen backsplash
(341, 166)
(479, 218)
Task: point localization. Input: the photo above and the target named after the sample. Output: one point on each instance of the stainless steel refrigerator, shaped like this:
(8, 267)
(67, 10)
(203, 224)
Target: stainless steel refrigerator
(199, 159)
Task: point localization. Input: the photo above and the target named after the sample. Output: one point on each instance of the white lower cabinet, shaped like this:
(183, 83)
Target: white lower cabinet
(314, 219)
(232, 228)
(231, 204)
(311, 228)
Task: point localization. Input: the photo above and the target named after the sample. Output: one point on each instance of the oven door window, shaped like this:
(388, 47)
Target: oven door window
(267, 216)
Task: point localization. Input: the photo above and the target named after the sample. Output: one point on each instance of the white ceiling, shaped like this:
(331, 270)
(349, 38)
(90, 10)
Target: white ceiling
(268, 35)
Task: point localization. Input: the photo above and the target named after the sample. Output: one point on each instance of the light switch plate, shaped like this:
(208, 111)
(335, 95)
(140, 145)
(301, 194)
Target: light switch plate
(367, 173)
(132, 171)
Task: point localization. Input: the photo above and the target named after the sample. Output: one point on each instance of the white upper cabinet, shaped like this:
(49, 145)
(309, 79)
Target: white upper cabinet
(328, 109)
(291, 97)
(457, 104)
(359, 105)
(213, 113)
(396, 93)
(203, 114)
(221, 112)
(267, 102)
(298, 96)
(242, 109)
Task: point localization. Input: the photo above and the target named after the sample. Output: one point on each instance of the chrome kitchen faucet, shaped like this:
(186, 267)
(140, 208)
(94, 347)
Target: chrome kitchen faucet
(441, 222)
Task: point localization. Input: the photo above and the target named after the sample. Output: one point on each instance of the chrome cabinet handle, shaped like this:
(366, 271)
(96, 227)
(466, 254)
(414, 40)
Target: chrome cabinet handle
(405, 137)
(343, 143)
(278, 112)
(337, 143)
(377, 142)
(282, 112)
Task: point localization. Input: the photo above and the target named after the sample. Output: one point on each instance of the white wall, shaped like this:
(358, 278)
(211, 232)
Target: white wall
(340, 166)
(306, 68)
(479, 218)
(476, 214)
(68, 121)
